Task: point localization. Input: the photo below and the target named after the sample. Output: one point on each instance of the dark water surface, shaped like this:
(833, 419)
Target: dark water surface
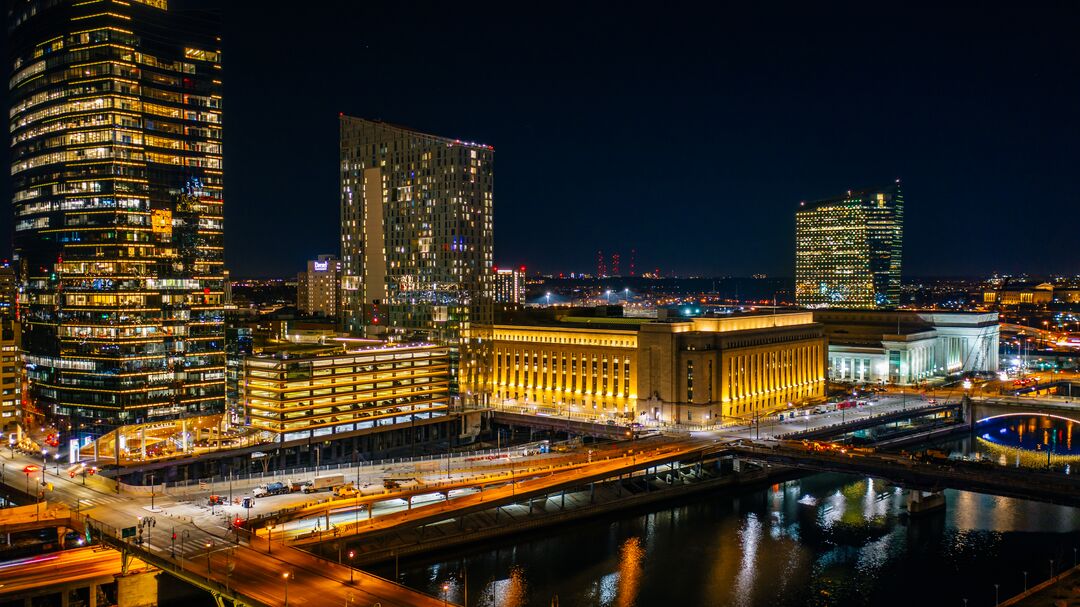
(822, 540)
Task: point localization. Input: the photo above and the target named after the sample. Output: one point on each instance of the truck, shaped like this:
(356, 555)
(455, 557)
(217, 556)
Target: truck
(324, 482)
(270, 489)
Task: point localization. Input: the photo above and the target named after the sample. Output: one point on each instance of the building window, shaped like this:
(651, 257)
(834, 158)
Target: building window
(689, 381)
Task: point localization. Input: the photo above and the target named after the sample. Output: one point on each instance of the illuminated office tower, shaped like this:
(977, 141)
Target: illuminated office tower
(848, 249)
(116, 167)
(416, 233)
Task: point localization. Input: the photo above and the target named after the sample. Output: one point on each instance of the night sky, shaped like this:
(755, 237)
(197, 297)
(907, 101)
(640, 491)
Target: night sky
(687, 133)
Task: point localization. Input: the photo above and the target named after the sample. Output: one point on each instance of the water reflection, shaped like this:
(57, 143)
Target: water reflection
(822, 540)
(1033, 441)
(631, 566)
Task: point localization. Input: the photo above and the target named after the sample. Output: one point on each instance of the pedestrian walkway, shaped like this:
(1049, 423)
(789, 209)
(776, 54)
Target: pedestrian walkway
(1061, 591)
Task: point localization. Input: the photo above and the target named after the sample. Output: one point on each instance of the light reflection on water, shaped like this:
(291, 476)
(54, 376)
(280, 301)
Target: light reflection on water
(821, 540)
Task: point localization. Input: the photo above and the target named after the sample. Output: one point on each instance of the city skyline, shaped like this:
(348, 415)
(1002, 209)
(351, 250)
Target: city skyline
(738, 131)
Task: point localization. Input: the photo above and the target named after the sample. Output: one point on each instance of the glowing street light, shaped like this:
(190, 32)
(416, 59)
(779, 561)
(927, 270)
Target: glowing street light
(285, 576)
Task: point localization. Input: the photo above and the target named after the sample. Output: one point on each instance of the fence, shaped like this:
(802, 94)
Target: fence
(353, 469)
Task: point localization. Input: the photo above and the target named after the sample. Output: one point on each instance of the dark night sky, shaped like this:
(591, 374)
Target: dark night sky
(685, 132)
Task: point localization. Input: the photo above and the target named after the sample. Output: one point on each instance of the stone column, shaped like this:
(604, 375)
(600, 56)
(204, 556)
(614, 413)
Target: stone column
(137, 589)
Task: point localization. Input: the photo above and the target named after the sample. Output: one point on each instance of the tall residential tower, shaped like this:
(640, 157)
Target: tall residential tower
(116, 166)
(417, 245)
(848, 249)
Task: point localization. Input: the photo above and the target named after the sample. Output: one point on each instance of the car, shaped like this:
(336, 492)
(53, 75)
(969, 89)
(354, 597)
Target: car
(611, 422)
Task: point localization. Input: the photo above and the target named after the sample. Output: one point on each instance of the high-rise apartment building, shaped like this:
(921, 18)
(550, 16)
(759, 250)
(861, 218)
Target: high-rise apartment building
(848, 249)
(416, 233)
(318, 289)
(510, 286)
(116, 166)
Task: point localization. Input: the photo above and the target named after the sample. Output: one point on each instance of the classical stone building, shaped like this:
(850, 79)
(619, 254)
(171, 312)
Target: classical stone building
(908, 347)
(696, 371)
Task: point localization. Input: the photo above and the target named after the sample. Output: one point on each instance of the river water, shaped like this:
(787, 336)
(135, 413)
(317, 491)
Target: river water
(825, 539)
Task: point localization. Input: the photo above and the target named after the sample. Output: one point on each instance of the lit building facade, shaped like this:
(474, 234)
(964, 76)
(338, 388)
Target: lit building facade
(294, 397)
(12, 373)
(416, 231)
(700, 371)
(908, 347)
(848, 250)
(510, 286)
(318, 289)
(9, 290)
(116, 167)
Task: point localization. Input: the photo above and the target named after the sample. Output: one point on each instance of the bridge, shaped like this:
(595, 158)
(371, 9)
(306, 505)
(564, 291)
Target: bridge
(939, 411)
(933, 474)
(543, 497)
(146, 542)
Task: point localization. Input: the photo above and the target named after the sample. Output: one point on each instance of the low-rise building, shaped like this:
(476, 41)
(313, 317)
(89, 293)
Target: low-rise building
(908, 347)
(11, 374)
(697, 371)
(319, 391)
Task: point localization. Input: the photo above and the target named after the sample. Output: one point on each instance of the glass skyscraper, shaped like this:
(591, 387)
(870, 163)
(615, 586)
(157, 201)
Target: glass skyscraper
(848, 249)
(117, 193)
(417, 245)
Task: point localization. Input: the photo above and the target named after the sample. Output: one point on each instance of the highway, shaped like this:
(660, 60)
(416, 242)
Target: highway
(79, 564)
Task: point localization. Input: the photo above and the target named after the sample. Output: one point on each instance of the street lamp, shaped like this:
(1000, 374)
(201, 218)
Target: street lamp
(151, 492)
(209, 545)
(1025, 582)
(445, 590)
(269, 537)
(285, 576)
(44, 464)
(352, 553)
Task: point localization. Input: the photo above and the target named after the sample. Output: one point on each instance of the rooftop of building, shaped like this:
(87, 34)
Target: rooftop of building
(411, 131)
(838, 321)
(610, 318)
(333, 347)
(853, 196)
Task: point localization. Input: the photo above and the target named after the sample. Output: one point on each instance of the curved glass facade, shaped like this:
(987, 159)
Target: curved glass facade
(117, 193)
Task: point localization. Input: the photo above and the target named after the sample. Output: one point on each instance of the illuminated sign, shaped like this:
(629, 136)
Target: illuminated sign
(321, 266)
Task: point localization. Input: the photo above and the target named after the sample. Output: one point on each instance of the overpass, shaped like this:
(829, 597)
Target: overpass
(934, 475)
(943, 411)
(931, 475)
(92, 576)
(223, 563)
(519, 486)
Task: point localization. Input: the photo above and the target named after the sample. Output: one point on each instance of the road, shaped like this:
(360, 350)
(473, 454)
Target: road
(79, 564)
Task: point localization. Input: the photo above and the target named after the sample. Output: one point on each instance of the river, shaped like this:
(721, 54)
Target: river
(825, 539)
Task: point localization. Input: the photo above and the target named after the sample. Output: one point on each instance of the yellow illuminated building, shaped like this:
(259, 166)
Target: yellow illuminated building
(699, 371)
(337, 391)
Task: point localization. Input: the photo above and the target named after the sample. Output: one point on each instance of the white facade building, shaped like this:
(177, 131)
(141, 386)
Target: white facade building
(908, 347)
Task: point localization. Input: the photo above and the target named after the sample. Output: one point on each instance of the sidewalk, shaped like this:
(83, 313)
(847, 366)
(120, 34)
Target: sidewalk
(1062, 591)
